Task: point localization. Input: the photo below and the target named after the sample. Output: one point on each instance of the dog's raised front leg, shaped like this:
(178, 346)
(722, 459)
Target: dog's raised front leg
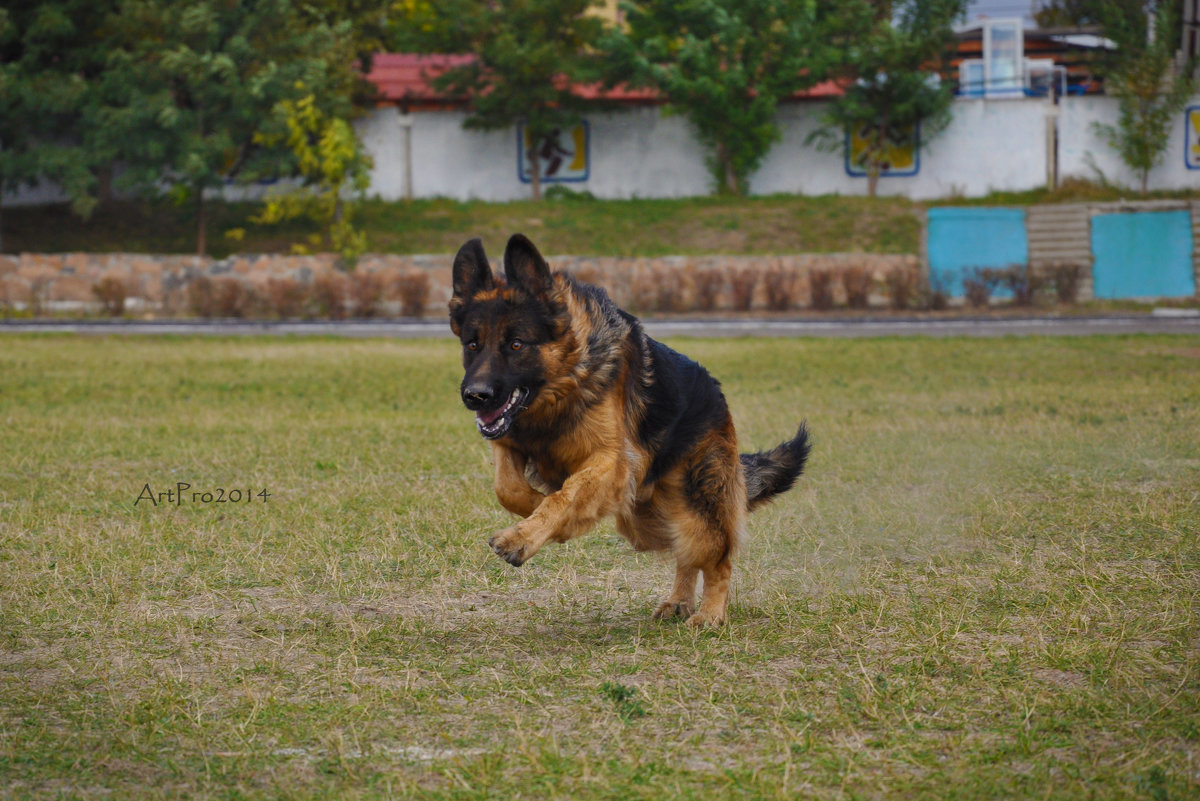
(586, 496)
(512, 488)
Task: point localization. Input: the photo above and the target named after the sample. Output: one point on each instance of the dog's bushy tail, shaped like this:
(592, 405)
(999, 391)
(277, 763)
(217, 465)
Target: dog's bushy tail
(769, 473)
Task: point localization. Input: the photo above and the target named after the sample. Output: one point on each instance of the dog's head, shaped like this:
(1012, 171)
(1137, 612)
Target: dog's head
(506, 329)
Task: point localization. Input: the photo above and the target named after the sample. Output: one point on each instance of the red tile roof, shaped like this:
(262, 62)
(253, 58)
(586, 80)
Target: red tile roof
(406, 77)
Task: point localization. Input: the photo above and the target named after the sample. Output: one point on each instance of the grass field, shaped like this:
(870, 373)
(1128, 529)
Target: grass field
(688, 226)
(568, 224)
(988, 585)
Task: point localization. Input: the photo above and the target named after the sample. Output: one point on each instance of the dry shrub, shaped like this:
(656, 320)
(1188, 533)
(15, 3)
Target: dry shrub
(857, 282)
(820, 287)
(111, 292)
(933, 294)
(978, 283)
(586, 274)
(7, 296)
(201, 297)
(742, 281)
(39, 288)
(1066, 277)
(219, 297)
(329, 295)
(709, 285)
(1021, 280)
(643, 292)
(413, 288)
(902, 286)
(286, 297)
(366, 293)
(782, 286)
(669, 292)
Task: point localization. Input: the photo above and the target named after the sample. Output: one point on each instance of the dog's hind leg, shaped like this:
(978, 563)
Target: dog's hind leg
(712, 521)
(715, 600)
(702, 549)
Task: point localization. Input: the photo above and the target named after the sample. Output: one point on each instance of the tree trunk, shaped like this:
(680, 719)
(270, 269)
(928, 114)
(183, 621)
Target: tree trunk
(201, 223)
(726, 176)
(104, 181)
(877, 150)
(535, 170)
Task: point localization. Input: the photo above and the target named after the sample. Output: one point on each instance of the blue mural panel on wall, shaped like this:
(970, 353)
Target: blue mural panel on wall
(1143, 254)
(962, 239)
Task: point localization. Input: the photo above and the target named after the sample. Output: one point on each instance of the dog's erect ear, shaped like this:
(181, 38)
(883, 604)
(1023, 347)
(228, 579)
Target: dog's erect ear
(525, 267)
(471, 273)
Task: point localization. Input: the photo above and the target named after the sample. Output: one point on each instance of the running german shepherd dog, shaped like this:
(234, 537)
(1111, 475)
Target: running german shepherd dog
(589, 417)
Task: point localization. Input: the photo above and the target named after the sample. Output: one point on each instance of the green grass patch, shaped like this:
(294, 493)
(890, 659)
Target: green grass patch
(985, 587)
(565, 225)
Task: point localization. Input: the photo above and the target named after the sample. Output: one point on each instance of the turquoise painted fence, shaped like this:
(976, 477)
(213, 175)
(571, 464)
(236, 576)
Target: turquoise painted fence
(963, 239)
(1143, 254)
(1135, 254)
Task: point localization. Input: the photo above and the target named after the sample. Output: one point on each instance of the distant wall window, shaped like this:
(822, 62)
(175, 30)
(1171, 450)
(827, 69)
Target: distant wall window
(1003, 53)
(970, 78)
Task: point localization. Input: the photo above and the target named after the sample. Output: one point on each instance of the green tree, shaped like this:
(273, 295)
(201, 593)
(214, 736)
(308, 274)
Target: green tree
(529, 57)
(892, 83)
(1141, 73)
(190, 89)
(725, 65)
(330, 162)
(50, 55)
(368, 24)
(1067, 13)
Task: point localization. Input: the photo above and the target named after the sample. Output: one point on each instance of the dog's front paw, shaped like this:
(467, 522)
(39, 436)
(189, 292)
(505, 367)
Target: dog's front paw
(707, 620)
(511, 546)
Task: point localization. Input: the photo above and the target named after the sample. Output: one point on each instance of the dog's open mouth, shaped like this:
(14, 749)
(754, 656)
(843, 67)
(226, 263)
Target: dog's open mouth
(495, 424)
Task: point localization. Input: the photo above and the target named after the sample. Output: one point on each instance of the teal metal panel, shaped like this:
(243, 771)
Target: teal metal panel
(963, 238)
(1143, 254)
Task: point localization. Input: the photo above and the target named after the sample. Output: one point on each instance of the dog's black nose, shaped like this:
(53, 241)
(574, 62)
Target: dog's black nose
(478, 396)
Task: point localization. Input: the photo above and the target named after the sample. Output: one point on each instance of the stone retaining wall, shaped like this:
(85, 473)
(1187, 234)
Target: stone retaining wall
(159, 283)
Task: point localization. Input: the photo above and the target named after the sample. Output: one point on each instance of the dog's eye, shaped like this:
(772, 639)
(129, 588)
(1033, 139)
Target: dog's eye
(472, 346)
(517, 344)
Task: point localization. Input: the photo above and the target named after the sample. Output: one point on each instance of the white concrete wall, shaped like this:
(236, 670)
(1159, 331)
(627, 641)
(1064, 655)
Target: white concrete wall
(1083, 152)
(642, 152)
(988, 145)
(634, 153)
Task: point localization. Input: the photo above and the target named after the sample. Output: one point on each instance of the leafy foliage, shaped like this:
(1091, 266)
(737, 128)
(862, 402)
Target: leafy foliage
(50, 53)
(1065, 13)
(190, 87)
(174, 92)
(892, 86)
(1143, 76)
(725, 65)
(528, 57)
(330, 161)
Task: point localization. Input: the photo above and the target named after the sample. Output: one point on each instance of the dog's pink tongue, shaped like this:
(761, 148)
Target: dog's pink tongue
(487, 418)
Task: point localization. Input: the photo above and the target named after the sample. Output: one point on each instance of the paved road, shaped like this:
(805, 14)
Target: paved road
(1160, 322)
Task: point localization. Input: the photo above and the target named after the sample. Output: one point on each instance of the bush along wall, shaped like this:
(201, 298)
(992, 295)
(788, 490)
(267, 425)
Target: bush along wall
(297, 287)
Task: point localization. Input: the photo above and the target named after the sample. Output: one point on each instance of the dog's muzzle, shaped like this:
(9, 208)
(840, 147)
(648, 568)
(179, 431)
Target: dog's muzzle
(495, 423)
